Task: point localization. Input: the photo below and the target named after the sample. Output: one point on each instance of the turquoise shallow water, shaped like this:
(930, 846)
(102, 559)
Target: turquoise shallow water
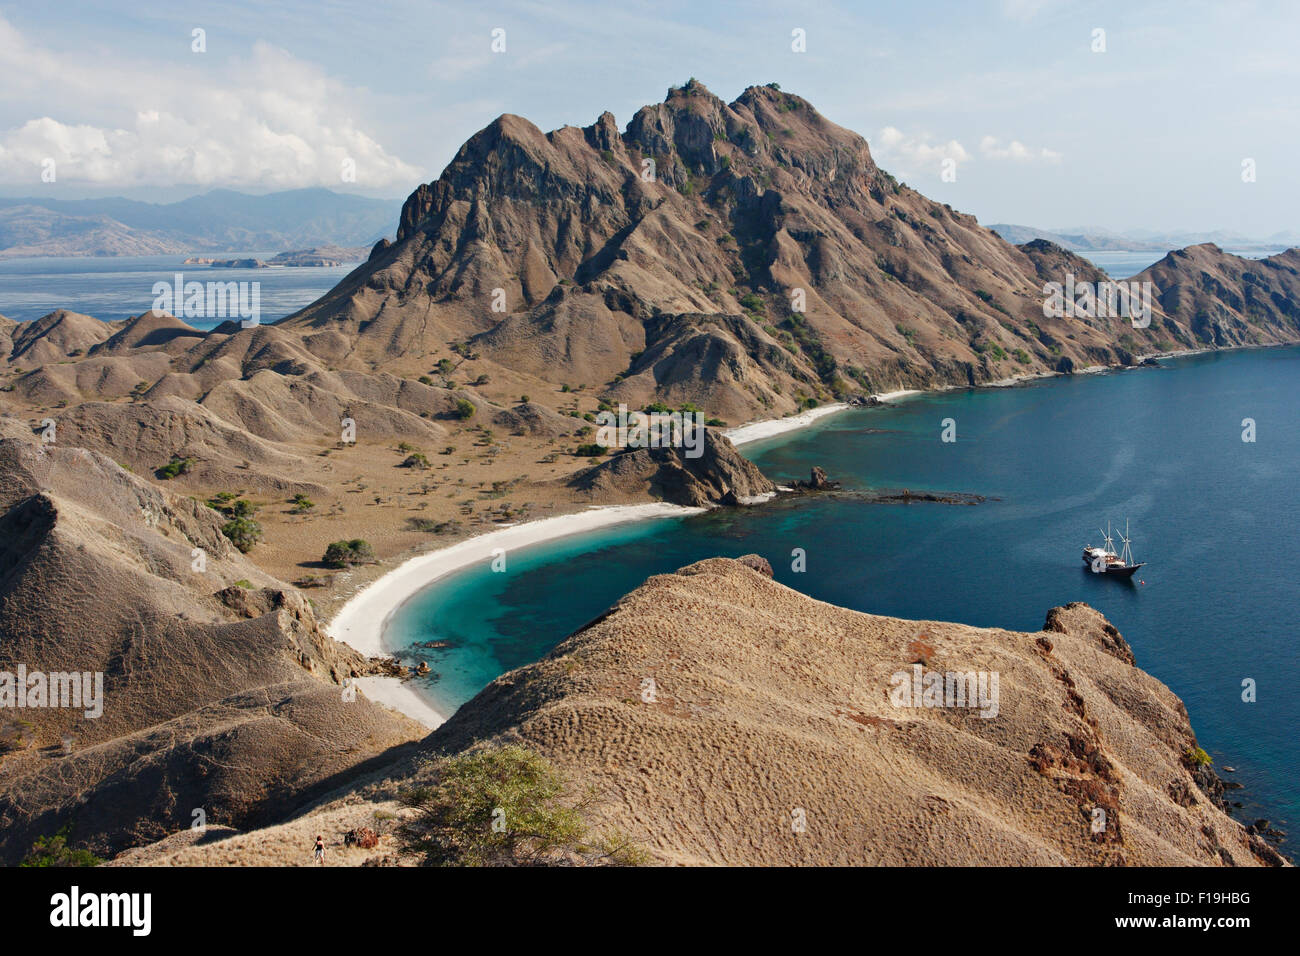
(1217, 518)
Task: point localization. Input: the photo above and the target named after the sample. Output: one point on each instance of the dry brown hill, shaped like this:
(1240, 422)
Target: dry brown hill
(767, 701)
(769, 737)
(220, 690)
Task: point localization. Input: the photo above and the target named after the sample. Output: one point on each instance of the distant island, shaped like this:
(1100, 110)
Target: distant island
(321, 257)
(220, 223)
(1091, 239)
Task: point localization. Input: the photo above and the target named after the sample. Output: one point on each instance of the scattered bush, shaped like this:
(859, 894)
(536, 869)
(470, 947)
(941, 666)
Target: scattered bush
(345, 554)
(417, 460)
(592, 450)
(505, 807)
(177, 466)
(243, 533)
(54, 851)
(465, 409)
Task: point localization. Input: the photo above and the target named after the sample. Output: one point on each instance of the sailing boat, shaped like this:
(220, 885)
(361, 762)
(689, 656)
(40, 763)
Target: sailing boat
(1104, 560)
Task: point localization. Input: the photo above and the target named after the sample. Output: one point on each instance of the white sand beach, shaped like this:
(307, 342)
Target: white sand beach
(360, 622)
(771, 427)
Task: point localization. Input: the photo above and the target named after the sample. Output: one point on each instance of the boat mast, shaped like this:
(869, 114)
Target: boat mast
(1127, 556)
(1110, 542)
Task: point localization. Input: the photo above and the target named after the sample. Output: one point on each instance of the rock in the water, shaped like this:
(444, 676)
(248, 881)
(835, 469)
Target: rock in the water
(817, 481)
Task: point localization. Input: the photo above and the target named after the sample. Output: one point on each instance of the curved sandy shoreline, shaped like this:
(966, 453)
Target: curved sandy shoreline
(360, 622)
(771, 427)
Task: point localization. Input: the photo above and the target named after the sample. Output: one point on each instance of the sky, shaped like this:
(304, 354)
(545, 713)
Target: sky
(1133, 115)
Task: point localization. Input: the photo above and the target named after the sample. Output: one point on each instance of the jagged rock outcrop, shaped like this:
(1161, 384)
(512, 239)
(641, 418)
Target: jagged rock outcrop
(719, 475)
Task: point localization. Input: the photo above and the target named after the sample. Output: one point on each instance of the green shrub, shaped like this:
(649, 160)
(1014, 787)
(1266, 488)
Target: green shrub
(465, 409)
(418, 460)
(301, 504)
(505, 807)
(54, 851)
(243, 533)
(592, 450)
(345, 554)
(177, 466)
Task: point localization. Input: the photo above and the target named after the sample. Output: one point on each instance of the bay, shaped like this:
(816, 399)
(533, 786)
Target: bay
(1216, 517)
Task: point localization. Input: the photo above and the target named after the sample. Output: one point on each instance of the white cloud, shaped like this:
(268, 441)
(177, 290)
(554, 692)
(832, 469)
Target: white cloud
(270, 120)
(917, 152)
(991, 148)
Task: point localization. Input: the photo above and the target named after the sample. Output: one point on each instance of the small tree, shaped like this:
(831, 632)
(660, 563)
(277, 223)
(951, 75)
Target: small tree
(504, 807)
(177, 466)
(54, 851)
(465, 408)
(243, 533)
(345, 554)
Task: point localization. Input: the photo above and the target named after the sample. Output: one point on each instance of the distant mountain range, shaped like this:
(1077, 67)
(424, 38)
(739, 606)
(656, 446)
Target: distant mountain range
(218, 221)
(1089, 239)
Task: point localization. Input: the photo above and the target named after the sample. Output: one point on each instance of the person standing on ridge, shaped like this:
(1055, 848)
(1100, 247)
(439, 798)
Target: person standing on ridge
(320, 850)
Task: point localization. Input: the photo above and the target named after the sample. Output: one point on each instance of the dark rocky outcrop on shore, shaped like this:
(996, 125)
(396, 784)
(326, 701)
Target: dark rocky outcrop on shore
(720, 475)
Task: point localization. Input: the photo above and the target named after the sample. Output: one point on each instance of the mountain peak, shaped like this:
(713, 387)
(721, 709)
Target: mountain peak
(749, 257)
